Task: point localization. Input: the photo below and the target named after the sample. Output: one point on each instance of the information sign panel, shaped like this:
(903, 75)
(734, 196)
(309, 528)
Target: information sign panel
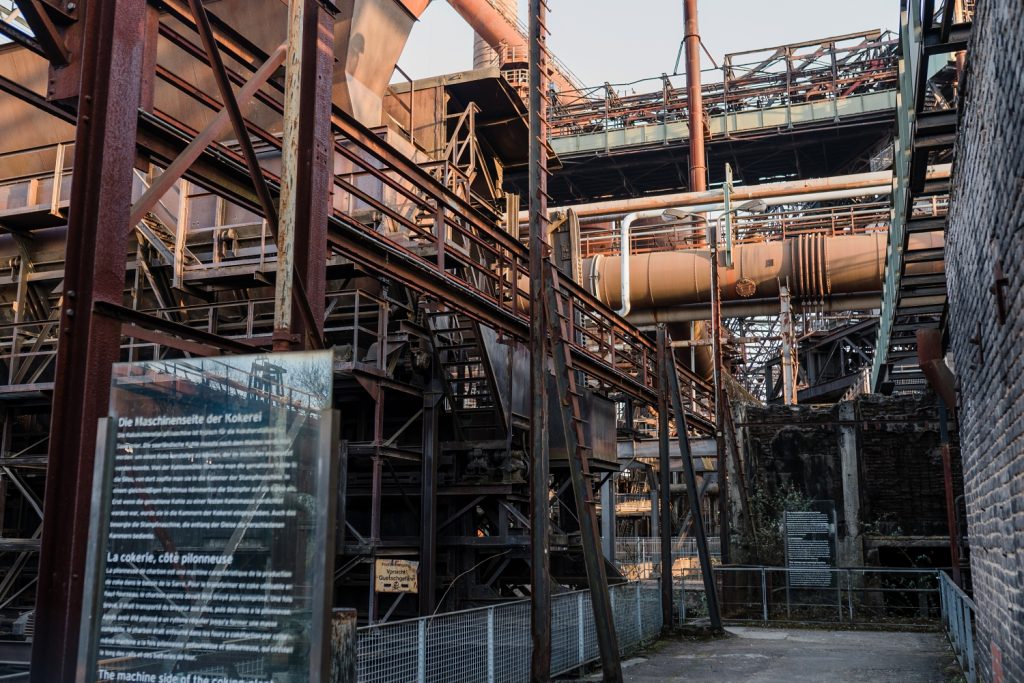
(809, 545)
(212, 500)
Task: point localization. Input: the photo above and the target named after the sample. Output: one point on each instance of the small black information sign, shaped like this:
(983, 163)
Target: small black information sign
(211, 503)
(809, 544)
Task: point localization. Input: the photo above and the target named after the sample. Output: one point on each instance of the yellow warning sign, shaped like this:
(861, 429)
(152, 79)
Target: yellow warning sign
(396, 576)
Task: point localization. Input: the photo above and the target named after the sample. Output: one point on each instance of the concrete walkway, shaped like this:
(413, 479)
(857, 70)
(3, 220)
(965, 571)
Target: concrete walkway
(758, 655)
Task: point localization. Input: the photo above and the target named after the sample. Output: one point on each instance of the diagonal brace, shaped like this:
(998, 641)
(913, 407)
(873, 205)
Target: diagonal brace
(45, 32)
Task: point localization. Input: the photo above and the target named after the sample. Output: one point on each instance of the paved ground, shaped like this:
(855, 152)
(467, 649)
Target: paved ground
(756, 655)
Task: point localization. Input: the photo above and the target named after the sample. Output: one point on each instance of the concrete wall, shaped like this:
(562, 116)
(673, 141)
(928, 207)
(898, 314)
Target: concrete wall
(986, 224)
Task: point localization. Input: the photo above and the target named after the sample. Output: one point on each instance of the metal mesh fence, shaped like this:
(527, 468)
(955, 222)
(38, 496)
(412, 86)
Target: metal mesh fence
(856, 596)
(493, 644)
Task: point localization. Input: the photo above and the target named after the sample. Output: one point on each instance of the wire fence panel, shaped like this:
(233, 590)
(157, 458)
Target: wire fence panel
(565, 627)
(855, 596)
(639, 557)
(512, 642)
(458, 648)
(390, 654)
(493, 644)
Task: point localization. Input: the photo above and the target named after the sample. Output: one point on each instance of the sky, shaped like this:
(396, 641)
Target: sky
(620, 41)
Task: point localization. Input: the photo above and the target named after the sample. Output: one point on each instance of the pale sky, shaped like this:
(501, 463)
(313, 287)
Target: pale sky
(625, 40)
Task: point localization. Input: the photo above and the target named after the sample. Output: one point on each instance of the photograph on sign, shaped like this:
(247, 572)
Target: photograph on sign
(209, 549)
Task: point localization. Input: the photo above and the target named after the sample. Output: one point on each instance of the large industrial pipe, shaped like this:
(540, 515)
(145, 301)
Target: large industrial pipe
(691, 201)
(696, 313)
(816, 267)
(483, 54)
(499, 31)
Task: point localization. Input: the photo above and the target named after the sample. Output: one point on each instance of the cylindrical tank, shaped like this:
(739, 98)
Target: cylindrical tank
(483, 54)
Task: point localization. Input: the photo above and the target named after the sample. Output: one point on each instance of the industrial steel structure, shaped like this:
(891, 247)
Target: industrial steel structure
(194, 179)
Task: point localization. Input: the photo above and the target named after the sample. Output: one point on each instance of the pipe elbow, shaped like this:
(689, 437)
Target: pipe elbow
(624, 248)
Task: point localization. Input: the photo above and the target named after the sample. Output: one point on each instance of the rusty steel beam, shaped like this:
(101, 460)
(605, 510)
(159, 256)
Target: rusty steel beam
(46, 33)
(540, 457)
(234, 112)
(670, 385)
(306, 177)
(21, 38)
(432, 407)
(184, 160)
(111, 72)
(350, 238)
(664, 486)
(38, 101)
(189, 336)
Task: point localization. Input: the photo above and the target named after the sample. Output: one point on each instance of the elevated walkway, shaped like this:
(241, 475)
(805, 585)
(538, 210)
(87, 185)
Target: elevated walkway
(733, 124)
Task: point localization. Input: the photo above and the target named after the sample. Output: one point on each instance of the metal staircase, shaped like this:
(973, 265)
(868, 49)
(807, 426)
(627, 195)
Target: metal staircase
(472, 396)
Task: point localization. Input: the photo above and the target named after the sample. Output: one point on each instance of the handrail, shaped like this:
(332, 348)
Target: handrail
(958, 612)
(783, 79)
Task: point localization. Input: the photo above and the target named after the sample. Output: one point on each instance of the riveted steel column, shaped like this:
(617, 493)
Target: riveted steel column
(306, 179)
(111, 65)
(540, 516)
(664, 485)
(428, 499)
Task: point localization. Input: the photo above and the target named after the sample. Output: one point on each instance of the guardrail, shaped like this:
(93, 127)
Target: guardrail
(648, 548)
(493, 644)
(958, 619)
(861, 596)
(824, 72)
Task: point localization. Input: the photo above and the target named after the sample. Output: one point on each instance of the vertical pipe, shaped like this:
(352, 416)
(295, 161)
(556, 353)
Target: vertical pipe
(540, 518)
(111, 84)
(664, 464)
(947, 472)
(625, 251)
(181, 236)
(664, 106)
(608, 517)
(694, 99)
(764, 597)
(788, 347)
(720, 396)
(428, 499)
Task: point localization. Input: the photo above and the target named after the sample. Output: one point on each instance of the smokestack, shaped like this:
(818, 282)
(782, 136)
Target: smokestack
(695, 101)
(483, 54)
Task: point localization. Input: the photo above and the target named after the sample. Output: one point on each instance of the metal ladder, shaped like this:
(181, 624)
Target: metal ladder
(558, 322)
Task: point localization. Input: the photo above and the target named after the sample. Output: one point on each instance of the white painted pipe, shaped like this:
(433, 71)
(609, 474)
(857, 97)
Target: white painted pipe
(771, 201)
(625, 253)
(625, 227)
(794, 188)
